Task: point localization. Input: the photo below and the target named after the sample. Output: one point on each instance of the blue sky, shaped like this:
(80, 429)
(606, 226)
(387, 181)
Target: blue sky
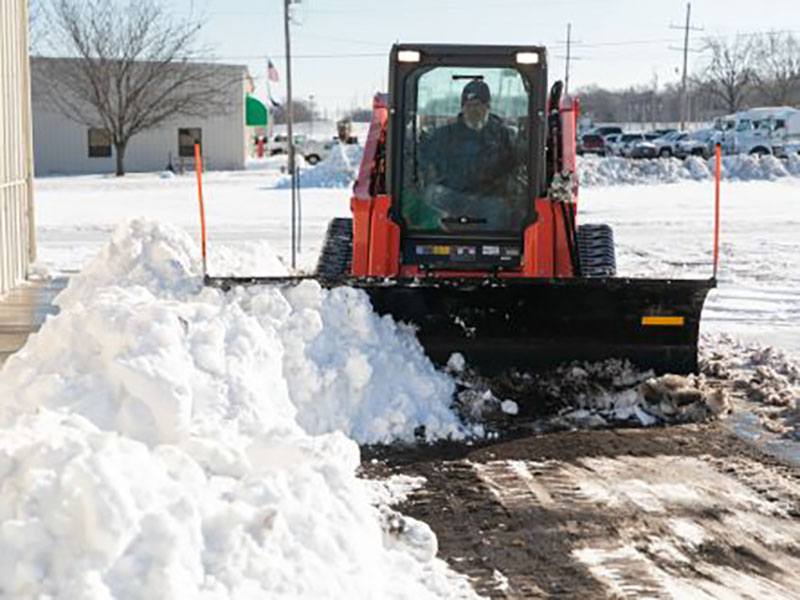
(342, 45)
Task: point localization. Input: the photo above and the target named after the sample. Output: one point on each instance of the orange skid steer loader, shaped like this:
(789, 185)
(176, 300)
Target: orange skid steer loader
(464, 224)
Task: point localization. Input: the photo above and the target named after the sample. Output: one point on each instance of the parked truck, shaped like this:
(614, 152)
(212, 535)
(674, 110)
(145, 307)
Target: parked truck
(762, 131)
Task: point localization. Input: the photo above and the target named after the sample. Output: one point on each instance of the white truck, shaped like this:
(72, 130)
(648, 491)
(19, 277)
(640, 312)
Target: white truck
(312, 150)
(766, 130)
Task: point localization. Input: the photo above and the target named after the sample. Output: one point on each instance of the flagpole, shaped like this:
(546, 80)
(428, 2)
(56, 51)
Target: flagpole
(289, 123)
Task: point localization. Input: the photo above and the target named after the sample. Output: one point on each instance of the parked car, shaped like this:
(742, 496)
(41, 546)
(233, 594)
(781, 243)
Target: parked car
(787, 149)
(664, 131)
(666, 144)
(310, 149)
(606, 129)
(611, 140)
(592, 143)
(279, 144)
(627, 141)
(697, 143)
(643, 149)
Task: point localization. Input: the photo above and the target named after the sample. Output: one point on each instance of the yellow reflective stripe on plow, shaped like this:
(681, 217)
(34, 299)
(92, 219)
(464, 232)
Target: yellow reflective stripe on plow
(663, 321)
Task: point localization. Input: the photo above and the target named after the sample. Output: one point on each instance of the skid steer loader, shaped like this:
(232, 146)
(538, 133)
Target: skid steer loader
(464, 224)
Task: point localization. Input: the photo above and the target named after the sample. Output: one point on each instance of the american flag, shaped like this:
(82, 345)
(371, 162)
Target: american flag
(272, 72)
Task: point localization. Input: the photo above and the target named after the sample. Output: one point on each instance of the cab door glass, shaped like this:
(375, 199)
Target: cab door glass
(465, 151)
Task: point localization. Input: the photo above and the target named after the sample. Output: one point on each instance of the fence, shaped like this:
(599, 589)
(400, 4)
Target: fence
(17, 247)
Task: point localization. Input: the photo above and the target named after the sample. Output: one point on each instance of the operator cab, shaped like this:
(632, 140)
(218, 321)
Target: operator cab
(467, 134)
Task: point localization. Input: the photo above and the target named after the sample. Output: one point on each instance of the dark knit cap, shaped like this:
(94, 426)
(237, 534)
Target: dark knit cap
(476, 90)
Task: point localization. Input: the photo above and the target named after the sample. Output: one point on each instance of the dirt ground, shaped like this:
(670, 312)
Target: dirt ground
(686, 511)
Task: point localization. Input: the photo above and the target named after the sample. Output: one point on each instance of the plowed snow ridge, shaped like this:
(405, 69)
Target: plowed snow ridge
(160, 440)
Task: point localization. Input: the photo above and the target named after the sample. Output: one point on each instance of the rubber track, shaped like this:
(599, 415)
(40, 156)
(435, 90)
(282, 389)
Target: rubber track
(337, 252)
(596, 251)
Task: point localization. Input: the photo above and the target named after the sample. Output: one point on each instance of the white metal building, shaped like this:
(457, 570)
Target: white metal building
(64, 147)
(17, 248)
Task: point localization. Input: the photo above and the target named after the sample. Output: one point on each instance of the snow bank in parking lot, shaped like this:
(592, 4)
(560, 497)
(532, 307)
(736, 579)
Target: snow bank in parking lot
(597, 171)
(338, 169)
(161, 440)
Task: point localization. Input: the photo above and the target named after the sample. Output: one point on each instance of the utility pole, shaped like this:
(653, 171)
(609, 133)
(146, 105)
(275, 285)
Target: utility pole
(685, 62)
(569, 47)
(569, 58)
(686, 29)
(311, 109)
(289, 126)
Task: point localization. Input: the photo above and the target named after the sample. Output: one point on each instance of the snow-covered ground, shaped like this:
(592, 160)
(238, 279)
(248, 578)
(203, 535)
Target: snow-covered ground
(667, 231)
(161, 440)
(662, 230)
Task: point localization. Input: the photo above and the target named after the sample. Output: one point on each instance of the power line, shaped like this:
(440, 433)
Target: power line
(608, 44)
(294, 56)
(574, 44)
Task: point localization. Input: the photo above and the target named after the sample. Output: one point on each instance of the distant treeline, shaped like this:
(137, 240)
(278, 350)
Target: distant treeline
(736, 73)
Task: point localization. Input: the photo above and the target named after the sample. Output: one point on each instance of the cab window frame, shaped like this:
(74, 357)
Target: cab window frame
(410, 113)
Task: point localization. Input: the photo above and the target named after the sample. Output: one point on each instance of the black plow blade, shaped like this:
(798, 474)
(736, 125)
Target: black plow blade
(537, 324)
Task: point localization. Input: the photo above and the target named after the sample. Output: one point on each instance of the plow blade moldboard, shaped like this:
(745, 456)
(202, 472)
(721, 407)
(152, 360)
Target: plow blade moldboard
(538, 324)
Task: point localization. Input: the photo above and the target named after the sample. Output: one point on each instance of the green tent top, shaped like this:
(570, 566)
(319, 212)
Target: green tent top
(256, 112)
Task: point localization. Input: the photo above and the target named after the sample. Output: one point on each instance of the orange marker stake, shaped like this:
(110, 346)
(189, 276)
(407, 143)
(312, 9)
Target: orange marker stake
(198, 167)
(717, 177)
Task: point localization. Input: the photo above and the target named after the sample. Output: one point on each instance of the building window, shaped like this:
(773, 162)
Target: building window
(187, 138)
(99, 143)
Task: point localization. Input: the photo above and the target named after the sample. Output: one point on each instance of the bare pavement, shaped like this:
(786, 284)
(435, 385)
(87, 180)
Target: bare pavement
(687, 511)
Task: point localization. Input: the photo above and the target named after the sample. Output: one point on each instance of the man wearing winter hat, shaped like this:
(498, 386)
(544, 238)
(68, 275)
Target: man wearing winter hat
(473, 156)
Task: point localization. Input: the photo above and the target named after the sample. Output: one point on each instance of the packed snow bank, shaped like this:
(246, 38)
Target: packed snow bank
(155, 439)
(352, 371)
(595, 171)
(338, 170)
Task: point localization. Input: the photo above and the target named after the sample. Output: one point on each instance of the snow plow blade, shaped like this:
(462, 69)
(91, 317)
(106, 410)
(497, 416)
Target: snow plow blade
(536, 324)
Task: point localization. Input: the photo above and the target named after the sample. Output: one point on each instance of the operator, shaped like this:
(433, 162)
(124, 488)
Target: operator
(467, 164)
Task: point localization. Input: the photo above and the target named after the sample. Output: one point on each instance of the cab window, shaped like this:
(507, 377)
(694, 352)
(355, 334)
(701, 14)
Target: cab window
(465, 150)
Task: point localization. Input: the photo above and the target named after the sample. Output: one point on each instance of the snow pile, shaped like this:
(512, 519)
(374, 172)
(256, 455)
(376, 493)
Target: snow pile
(594, 171)
(604, 171)
(612, 391)
(244, 259)
(592, 395)
(349, 370)
(152, 443)
(338, 170)
(768, 378)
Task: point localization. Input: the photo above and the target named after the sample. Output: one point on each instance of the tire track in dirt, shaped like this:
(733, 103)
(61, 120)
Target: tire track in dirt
(663, 513)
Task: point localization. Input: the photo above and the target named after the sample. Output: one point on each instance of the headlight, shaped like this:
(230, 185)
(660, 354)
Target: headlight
(527, 58)
(408, 56)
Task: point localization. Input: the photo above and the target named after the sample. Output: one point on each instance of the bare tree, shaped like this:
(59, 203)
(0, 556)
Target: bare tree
(301, 112)
(130, 68)
(729, 72)
(778, 74)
